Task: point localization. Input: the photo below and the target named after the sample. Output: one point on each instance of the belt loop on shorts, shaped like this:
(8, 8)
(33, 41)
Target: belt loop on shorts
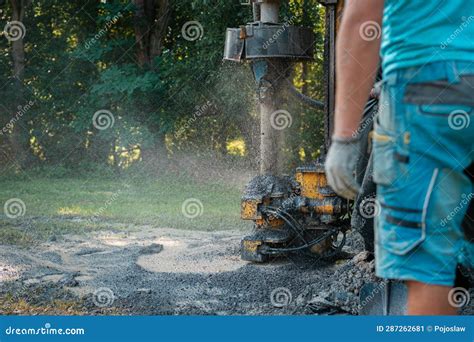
(392, 78)
(452, 72)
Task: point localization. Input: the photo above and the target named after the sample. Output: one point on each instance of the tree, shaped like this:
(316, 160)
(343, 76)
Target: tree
(19, 141)
(132, 58)
(150, 24)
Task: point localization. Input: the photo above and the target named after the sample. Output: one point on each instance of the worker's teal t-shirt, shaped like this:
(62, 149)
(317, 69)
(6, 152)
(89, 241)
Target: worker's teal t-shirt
(416, 32)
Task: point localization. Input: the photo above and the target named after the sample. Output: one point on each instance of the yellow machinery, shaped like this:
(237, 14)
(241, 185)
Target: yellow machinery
(290, 214)
(294, 214)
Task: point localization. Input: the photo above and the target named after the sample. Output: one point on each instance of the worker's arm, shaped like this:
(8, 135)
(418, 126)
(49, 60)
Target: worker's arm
(357, 60)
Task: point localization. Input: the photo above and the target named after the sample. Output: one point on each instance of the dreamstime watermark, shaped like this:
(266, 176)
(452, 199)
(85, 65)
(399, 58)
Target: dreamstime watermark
(46, 330)
(14, 208)
(287, 23)
(281, 119)
(200, 110)
(459, 119)
(274, 214)
(459, 297)
(466, 199)
(466, 22)
(103, 119)
(192, 208)
(108, 203)
(370, 30)
(365, 124)
(370, 297)
(103, 297)
(21, 110)
(380, 107)
(369, 208)
(14, 30)
(281, 297)
(192, 30)
(99, 35)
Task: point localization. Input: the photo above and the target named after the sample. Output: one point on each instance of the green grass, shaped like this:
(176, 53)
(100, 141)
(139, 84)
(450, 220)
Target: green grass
(71, 205)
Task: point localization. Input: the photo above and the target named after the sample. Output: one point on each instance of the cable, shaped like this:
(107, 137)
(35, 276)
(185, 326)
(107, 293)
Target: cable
(288, 216)
(304, 98)
(307, 245)
(298, 230)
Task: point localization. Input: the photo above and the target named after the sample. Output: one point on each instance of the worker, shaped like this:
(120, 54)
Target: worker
(423, 140)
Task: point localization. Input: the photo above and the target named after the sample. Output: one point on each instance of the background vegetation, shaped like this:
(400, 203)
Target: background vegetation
(183, 123)
(170, 97)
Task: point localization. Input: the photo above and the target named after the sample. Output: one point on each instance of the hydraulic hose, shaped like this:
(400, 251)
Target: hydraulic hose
(304, 98)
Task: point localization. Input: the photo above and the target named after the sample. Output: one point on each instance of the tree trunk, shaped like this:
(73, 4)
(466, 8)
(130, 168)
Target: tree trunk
(156, 152)
(19, 138)
(305, 67)
(151, 22)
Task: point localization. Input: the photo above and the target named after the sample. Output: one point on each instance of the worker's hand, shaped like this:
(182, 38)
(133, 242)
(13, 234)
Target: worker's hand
(341, 163)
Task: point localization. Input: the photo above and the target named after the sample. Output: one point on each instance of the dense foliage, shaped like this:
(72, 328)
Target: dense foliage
(162, 93)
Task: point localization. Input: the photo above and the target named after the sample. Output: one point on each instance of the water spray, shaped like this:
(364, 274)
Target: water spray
(290, 214)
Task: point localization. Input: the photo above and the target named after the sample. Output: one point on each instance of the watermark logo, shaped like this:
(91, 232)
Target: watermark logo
(281, 297)
(45, 330)
(457, 32)
(459, 119)
(287, 23)
(370, 30)
(103, 119)
(103, 297)
(372, 295)
(200, 110)
(365, 124)
(369, 208)
(22, 110)
(108, 25)
(192, 208)
(14, 30)
(459, 297)
(14, 208)
(192, 30)
(465, 200)
(107, 204)
(281, 119)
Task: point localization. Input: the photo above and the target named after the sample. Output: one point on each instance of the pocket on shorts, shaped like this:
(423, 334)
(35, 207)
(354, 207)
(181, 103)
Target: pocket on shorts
(402, 224)
(452, 112)
(399, 235)
(439, 117)
(384, 149)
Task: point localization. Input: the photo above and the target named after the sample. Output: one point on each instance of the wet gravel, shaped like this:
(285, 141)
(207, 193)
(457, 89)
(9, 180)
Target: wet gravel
(157, 271)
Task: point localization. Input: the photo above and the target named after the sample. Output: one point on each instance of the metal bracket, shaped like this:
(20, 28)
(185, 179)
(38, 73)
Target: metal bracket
(265, 1)
(269, 41)
(328, 2)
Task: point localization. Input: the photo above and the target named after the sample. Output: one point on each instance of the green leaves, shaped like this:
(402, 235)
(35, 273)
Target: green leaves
(126, 79)
(82, 57)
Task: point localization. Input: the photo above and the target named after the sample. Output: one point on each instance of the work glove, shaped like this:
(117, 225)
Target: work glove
(341, 163)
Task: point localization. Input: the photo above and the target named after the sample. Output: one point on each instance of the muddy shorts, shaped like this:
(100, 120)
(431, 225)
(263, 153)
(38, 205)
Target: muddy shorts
(423, 145)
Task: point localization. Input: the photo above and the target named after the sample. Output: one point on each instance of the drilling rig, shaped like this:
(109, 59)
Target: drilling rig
(301, 213)
(298, 213)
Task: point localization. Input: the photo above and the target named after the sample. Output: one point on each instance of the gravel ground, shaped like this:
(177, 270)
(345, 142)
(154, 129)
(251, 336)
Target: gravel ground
(159, 271)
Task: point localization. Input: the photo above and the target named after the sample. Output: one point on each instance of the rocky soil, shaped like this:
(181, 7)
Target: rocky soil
(160, 271)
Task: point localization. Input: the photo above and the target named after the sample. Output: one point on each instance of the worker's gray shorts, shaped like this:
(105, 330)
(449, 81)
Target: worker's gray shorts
(423, 143)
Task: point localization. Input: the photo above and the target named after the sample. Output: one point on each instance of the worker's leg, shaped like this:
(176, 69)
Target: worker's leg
(419, 158)
(425, 299)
